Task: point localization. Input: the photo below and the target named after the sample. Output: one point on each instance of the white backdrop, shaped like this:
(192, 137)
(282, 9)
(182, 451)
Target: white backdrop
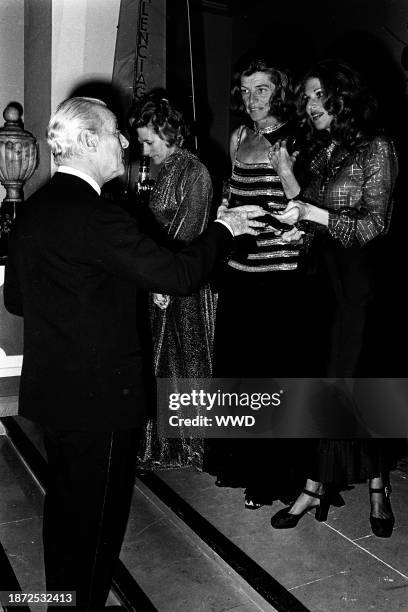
(10, 338)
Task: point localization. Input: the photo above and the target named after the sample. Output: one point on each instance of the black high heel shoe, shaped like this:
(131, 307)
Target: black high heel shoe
(383, 527)
(284, 520)
(336, 499)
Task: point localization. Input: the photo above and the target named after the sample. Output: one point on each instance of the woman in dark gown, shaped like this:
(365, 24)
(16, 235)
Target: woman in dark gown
(349, 200)
(182, 327)
(261, 283)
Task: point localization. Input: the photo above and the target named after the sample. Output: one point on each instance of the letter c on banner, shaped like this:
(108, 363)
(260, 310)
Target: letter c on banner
(139, 52)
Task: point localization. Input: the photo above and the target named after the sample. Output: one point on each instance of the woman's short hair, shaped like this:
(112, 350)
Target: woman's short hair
(282, 101)
(346, 97)
(155, 110)
(68, 122)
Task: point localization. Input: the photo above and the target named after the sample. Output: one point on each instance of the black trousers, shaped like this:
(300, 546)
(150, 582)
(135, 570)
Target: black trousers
(87, 502)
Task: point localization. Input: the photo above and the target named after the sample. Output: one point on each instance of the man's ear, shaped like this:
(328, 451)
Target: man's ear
(89, 140)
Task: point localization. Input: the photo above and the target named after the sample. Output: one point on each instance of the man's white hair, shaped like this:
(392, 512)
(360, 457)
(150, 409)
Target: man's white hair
(67, 124)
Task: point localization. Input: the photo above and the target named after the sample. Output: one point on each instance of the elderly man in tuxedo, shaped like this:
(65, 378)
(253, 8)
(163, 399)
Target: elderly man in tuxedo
(76, 264)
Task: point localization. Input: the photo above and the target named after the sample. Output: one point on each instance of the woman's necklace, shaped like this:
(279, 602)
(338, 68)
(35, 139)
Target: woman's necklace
(268, 129)
(330, 149)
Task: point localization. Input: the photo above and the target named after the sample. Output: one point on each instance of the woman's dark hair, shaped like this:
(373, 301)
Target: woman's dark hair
(156, 111)
(282, 101)
(347, 98)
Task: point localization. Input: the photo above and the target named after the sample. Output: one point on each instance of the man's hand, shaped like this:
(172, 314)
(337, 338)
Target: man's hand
(162, 301)
(242, 219)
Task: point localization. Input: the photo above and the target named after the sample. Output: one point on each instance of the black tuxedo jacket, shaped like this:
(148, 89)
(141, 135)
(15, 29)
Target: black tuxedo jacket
(76, 265)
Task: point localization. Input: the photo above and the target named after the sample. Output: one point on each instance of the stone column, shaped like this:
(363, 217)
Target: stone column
(67, 43)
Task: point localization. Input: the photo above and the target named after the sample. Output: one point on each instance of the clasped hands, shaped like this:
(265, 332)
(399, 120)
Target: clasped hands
(242, 219)
(294, 212)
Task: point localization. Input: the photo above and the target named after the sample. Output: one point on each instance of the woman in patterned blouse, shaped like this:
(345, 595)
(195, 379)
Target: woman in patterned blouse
(349, 202)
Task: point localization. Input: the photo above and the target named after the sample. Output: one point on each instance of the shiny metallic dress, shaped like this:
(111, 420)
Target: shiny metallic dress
(183, 333)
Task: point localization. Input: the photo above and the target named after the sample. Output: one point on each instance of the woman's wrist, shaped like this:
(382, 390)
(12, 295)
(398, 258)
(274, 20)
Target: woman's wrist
(290, 185)
(314, 213)
(292, 194)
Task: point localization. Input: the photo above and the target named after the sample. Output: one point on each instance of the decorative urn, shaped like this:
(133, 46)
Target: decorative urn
(18, 161)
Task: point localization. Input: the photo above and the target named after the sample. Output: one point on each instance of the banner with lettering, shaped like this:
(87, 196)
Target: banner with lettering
(140, 53)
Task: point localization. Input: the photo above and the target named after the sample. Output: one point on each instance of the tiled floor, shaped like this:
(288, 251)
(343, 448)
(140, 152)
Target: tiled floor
(168, 565)
(20, 519)
(333, 566)
(175, 571)
(21, 502)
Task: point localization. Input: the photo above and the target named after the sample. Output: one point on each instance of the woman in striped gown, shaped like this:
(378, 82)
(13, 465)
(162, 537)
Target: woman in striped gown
(260, 287)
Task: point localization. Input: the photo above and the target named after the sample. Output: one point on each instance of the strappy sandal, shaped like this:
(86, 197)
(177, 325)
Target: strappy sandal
(284, 520)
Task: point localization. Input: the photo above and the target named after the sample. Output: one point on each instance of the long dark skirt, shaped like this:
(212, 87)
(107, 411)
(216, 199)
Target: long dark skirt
(258, 334)
(345, 284)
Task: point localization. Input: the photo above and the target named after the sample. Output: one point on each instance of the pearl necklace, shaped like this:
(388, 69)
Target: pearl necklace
(329, 149)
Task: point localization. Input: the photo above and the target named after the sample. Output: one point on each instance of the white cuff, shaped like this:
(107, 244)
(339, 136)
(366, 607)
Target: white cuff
(225, 224)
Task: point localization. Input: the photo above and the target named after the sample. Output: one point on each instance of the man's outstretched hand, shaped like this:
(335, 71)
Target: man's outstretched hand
(242, 219)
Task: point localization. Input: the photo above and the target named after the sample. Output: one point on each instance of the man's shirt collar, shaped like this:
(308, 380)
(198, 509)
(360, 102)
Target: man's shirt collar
(82, 175)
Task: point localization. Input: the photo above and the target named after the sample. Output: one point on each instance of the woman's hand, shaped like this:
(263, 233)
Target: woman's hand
(280, 159)
(283, 164)
(295, 211)
(293, 235)
(291, 215)
(162, 301)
